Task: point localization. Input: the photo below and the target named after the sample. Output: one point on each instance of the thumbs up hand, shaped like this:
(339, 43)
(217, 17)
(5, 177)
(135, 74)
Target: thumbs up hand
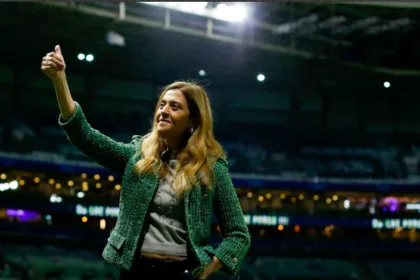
(53, 64)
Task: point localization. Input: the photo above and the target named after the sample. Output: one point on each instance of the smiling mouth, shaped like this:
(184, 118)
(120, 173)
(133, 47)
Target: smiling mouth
(165, 121)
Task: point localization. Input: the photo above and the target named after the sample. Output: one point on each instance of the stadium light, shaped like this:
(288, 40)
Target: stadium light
(260, 77)
(102, 224)
(55, 198)
(89, 58)
(188, 6)
(232, 12)
(387, 84)
(9, 186)
(115, 39)
(80, 194)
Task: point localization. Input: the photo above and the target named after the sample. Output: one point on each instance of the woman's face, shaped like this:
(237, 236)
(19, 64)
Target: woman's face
(173, 115)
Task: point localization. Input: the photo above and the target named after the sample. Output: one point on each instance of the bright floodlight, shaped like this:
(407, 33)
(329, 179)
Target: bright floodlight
(239, 13)
(346, 204)
(190, 7)
(260, 77)
(387, 84)
(13, 185)
(89, 57)
(202, 73)
(9, 186)
(81, 56)
(233, 13)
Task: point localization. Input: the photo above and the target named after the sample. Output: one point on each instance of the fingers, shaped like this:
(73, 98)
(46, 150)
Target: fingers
(55, 55)
(52, 65)
(47, 70)
(54, 60)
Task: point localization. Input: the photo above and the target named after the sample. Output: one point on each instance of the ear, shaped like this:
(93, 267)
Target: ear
(193, 122)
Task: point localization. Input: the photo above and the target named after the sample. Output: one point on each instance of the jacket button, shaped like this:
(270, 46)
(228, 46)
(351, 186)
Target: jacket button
(235, 260)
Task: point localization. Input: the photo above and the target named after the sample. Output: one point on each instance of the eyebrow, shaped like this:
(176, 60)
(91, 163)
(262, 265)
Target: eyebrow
(172, 101)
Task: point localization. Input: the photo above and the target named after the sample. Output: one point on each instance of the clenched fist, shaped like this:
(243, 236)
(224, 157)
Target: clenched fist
(53, 64)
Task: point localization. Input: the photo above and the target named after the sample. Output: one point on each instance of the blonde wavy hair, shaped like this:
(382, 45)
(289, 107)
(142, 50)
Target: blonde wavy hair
(200, 149)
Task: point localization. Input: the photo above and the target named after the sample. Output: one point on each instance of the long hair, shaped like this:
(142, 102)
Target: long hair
(200, 149)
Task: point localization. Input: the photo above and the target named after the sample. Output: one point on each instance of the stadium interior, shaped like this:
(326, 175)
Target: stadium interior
(314, 104)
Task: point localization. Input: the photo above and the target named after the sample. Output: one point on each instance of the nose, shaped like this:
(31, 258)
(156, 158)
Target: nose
(164, 114)
(164, 111)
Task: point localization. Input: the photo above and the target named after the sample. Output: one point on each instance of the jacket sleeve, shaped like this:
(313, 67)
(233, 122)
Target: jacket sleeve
(101, 148)
(236, 238)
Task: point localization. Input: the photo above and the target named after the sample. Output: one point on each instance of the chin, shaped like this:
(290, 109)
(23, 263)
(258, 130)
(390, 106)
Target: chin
(162, 131)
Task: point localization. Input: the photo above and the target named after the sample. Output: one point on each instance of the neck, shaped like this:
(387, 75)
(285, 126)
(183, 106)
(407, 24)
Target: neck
(172, 144)
(169, 154)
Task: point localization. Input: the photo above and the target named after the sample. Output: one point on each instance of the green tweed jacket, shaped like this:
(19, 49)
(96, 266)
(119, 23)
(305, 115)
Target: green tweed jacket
(137, 192)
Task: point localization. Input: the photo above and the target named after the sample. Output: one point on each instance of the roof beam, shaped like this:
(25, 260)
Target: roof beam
(101, 12)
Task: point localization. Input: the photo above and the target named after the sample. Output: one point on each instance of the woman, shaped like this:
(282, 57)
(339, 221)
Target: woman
(172, 180)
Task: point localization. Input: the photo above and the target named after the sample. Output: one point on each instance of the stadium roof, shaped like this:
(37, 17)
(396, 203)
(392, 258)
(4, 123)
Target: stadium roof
(285, 40)
(309, 53)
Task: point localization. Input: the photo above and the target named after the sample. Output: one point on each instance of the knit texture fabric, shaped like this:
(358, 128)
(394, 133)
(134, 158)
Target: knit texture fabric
(138, 190)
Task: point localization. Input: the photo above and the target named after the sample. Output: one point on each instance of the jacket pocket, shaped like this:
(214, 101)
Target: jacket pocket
(116, 240)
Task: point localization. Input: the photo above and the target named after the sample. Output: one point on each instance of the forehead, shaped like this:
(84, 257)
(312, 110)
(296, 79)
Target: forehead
(174, 95)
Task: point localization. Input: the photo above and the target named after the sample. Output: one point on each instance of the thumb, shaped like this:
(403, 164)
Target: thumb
(58, 49)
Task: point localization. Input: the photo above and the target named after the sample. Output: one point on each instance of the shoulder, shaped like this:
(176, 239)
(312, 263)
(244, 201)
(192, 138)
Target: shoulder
(136, 138)
(217, 161)
(136, 141)
(222, 161)
(220, 167)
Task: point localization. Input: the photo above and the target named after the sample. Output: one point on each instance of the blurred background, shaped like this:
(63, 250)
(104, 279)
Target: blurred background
(315, 104)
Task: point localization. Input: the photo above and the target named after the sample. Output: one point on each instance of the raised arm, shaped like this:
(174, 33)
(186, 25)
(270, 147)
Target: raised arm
(54, 66)
(101, 148)
(236, 239)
